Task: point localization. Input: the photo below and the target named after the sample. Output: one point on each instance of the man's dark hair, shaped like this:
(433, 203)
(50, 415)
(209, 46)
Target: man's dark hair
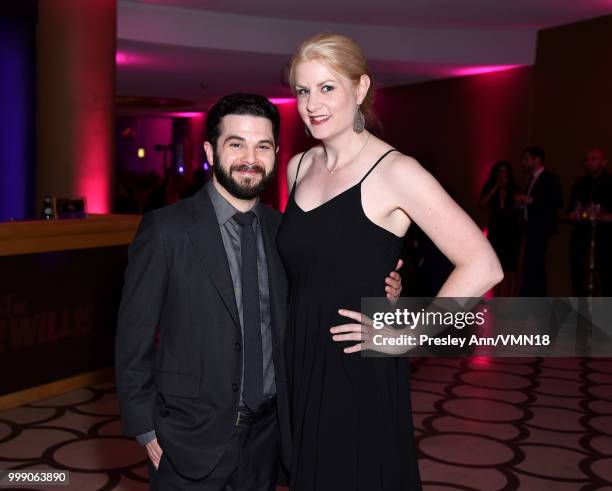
(535, 151)
(242, 105)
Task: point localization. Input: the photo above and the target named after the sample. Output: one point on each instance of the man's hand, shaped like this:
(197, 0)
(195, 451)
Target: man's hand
(154, 452)
(394, 283)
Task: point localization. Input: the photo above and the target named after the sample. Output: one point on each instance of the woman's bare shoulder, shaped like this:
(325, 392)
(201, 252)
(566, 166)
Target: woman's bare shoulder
(402, 168)
(306, 158)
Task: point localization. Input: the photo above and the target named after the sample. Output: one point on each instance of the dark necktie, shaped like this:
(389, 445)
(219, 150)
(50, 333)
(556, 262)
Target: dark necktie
(251, 316)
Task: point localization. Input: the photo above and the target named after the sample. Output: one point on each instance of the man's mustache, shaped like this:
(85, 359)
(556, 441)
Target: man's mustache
(243, 167)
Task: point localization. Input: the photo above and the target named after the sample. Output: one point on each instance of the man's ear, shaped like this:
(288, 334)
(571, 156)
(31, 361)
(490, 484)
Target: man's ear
(277, 149)
(208, 150)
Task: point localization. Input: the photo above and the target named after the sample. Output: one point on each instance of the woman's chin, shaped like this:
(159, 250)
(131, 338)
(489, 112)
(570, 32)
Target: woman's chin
(325, 133)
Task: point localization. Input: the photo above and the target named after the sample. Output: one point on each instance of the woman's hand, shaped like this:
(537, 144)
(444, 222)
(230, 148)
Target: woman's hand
(363, 332)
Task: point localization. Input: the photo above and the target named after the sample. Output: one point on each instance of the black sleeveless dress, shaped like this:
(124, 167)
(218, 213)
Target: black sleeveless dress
(351, 416)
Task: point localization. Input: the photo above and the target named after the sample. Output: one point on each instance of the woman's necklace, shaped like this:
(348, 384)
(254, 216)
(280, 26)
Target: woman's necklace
(333, 171)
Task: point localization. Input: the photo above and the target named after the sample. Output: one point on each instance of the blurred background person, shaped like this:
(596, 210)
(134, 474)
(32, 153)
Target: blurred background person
(503, 229)
(590, 208)
(540, 203)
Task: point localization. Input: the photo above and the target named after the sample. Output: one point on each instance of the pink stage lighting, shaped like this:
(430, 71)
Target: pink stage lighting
(121, 58)
(186, 115)
(281, 100)
(130, 59)
(478, 70)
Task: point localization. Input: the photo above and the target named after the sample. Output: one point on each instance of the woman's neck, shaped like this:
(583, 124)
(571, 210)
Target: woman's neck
(343, 148)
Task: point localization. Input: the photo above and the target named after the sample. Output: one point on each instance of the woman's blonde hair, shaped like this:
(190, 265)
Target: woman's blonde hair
(344, 56)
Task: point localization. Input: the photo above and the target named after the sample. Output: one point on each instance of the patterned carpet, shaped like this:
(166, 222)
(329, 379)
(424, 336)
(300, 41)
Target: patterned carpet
(504, 424)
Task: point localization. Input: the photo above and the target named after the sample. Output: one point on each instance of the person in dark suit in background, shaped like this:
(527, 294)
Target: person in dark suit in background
(540, 202)
(590, 206)
(210, 403)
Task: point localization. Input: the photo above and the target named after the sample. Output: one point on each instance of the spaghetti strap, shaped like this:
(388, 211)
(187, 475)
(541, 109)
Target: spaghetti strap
(376, 163)
(298, 170)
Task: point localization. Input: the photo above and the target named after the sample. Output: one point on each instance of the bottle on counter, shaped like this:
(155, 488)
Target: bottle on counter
(48, 208)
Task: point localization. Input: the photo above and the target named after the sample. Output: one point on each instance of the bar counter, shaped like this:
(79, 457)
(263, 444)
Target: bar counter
(60, 287)
(60, 235)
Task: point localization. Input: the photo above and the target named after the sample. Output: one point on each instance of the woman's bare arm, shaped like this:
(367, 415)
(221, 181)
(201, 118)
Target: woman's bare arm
(419, 195)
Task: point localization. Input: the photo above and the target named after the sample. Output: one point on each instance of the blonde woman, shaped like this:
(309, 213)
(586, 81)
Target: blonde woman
(352, 199)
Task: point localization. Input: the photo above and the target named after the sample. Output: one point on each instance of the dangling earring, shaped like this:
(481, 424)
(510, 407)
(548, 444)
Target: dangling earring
(307, 131)
(359, 122)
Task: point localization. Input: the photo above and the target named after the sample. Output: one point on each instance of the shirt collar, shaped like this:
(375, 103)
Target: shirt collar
(224, 210)
(538, 172)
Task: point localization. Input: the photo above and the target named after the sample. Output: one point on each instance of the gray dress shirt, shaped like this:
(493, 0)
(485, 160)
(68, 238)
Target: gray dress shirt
(230, 234)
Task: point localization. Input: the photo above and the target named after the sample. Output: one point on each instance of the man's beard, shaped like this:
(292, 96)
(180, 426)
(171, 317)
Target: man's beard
(245, 189)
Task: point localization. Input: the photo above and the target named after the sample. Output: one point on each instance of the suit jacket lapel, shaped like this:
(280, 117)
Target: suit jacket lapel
(206, 238)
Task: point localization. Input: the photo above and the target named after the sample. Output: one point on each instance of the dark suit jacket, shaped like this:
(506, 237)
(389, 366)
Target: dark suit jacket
(188, 389)
(547, 200)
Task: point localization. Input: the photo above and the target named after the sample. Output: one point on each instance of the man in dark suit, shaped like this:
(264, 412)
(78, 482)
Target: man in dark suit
(210, 403)
(590, 208)
(541, 201)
